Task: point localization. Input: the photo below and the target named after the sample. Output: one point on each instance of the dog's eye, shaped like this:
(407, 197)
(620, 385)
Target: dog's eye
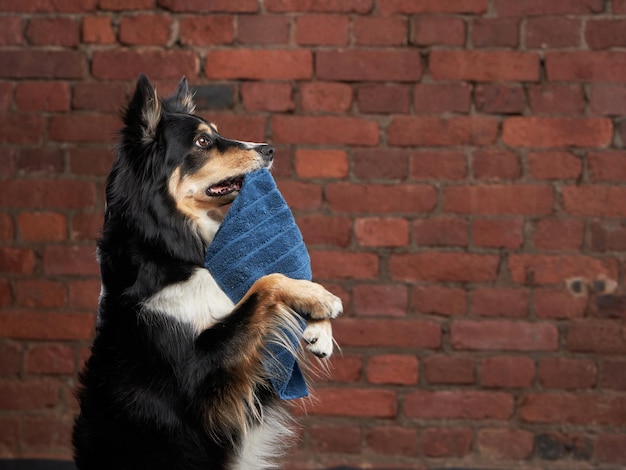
(203, 142)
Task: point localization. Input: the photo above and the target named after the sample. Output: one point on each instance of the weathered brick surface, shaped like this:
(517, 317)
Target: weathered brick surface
(457, 169)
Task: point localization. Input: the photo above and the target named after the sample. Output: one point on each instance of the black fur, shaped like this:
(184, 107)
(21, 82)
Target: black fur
(150, 378)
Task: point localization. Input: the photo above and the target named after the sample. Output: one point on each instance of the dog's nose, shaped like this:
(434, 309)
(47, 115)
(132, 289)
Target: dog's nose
(266, 151)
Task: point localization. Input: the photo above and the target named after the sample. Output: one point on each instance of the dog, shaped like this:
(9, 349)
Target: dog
(175, 377)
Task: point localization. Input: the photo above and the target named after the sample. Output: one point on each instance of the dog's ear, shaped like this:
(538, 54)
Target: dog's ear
(182, 99)
(144, 111)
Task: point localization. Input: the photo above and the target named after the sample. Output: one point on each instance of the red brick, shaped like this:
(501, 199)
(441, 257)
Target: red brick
(499, 302)
(201, 6)
(52, 31)
(22, 128)
(206, 30)
(10, 358)
(46, 96)
(554, 165)
(436, 131)
(341, 265)
(380, 300)
(459, 404)
(263, 29)
(544, 269)
(438, 165)
(320, 229)
(46, 326)
(557, 99)
(9, 436)
(379, 231)
(607, 166)
(84, 294)
(482, 66)
(596, 201)
(357, 402)
(126, 4)
(552, 32)
(507, 372)
(500, 99)
(326, 96)
(437, 31)
(504, 335)
(558, 235)
(7, 231)
(560, 372)
(588, 409)
(505, 233)
(392, 440)
(70, 260)
(301, 195)
(42, 64)
(11, 28)
(619, 6)
(436, 98)
(41, 160)
(322, 30)
(91, 161)
(145, 29)
(586, 66)
(383, 98)
(38, 6)
(344, 368)
(539, 7)
(394, 369)
(611, 448)
(596, 336)
(446, 442)
(49, 359)
(344, 439)
(608, 236)
(388, 7)
(511, 444)
(613, 376)
(447, 267)
(17, 260)
(319, 130)
(267, 96)
(86, 226)
(96, 96)
(376, 31)
(42, 226)
(495, 32)
(47, 432)
(321, 163)
(391, 333)
(379, 198)
(368, 65)
(97, 30)
(28, 394)
(6, 103)
(126, 64)
(334, 6)
(383, 164)
(603, 34)
(450, 370)
(83, 128)
(438, 300)
(40, 293)
(557, 132)
(267, 64)
(495, 164)
(552, 303)
(440, 231)
(499, 199)
(607, 100)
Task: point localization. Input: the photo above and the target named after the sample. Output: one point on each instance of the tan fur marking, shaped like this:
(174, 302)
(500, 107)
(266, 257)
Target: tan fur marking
(152, 115)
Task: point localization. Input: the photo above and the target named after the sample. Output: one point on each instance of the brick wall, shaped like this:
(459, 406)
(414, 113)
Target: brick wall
(457, 168)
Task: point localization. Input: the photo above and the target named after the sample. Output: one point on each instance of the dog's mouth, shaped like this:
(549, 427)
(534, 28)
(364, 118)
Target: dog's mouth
(225, 187)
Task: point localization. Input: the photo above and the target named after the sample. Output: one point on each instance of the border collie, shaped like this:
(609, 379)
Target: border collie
(175, 377)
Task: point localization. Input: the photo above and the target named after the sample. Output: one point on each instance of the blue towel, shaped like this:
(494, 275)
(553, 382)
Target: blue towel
(259, 236)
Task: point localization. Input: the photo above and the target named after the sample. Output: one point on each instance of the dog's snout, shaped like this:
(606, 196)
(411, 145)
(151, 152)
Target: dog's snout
(266, 151)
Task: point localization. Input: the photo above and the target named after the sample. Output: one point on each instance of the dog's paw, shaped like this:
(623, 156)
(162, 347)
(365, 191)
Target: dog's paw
(319, 338)
(325, 305)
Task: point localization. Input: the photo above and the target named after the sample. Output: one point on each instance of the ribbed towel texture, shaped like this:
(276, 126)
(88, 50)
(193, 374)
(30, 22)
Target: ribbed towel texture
(259, 236)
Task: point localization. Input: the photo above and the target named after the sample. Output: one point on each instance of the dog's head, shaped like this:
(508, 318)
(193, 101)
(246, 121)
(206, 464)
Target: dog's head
(167, 152)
